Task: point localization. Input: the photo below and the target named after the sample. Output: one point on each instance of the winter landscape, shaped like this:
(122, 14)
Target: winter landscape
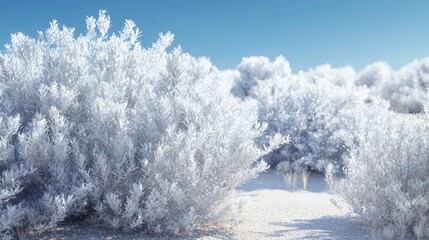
(102, 137)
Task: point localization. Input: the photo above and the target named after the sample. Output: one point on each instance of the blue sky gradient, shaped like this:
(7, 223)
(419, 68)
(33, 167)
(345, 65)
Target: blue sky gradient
(307, 32)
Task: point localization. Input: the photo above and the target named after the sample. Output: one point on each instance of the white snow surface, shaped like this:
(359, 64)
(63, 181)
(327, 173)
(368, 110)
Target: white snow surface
(275, 211)
(272, 211)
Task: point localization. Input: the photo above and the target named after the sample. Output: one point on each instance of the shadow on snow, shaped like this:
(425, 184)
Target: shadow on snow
(335, 228)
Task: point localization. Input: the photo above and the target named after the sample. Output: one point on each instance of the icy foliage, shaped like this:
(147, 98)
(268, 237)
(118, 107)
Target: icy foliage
(251, 70)
(405, 89)
(136, 138)
(315, 115)
(387, 181)
(342, 76)
(315, 108)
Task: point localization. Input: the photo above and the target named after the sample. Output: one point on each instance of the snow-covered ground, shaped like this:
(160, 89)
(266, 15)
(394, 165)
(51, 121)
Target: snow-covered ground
(272, 211)
(276, 212)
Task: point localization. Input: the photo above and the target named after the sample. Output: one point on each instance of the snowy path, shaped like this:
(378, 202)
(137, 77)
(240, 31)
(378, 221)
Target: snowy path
(271, 212)
(274, 212)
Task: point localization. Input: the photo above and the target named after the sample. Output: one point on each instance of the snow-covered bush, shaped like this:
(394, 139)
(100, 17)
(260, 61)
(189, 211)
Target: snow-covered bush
(387, 181)
(315, 108)
(251, 70)
(405, 89)
(315, 115)
(375, 75)
(342, 76)
(135, 138)
(410, 92)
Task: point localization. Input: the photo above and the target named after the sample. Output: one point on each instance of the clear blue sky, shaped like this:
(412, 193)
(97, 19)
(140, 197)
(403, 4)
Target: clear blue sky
(306, 32)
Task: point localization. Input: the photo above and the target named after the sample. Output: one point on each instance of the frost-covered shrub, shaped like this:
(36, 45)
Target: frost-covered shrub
(135, 138)
(387, 181)
(315, 108)
(342, 76)
(410, 93)
(251, 70)
(375, 75)
(405, 89)
(315, 115)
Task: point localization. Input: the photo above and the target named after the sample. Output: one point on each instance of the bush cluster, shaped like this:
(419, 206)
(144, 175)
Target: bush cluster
(405, 89)
(334, 115)
(134, 138)
(315, 108)
(387, 182)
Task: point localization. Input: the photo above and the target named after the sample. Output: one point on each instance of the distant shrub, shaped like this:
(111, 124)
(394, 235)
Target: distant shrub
(405, 89)
(315, 108)
(136, 138)
(251, 70)
(387, 181)
(315, 115)
(342, 76)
